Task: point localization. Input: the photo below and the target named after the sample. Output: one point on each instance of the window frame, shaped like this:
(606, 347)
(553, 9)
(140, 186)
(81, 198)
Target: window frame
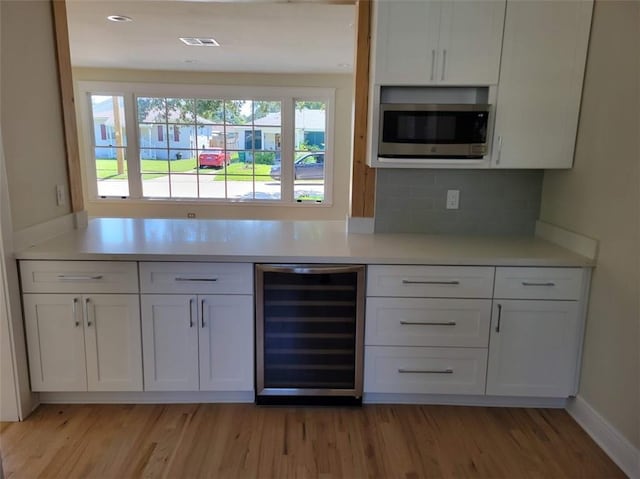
(131, 91)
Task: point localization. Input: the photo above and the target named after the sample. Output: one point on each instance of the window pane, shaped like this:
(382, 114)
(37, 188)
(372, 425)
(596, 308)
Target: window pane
(309, 154)
(154, 166)
(182, 161)
(238, 112)
(210, 111)
(181, 110)
(184, 186)
(152, 109)
(211, 187)
(182, 136)
(109, 135)
(266, 188)
(155, 186)
(267, 113)
(153, 135)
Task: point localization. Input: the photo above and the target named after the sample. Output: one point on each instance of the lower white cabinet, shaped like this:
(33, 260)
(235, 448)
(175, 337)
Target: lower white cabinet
(420, 370)
(197, 342)
(83, 342)
(533, 348)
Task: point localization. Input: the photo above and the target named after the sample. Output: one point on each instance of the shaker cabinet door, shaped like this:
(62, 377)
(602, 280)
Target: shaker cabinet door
(112, 338)
(226, 342)
(55, 342)
(533, 348)
(170, 342)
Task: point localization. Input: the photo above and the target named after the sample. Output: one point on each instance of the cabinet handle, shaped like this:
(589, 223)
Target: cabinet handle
(429, 323)
(444, 63)
(528, 283)
(499, 150)
(191, 312)
(86, 311)
(75, 312)
(425, 371)
(211, 280)
(75, 277)
(499, 318)
(202, 313)
(433, 64)
(409, 281)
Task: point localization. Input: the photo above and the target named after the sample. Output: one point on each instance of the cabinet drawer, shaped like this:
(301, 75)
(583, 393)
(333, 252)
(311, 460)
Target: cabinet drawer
(424, 370)
(539, 283)
(428, 322)
(79, 276)
(430, 281)
(196, 278)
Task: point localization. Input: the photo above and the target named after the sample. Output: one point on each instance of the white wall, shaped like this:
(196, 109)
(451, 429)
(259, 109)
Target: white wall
(600, 198)
(343, 85)
(31, 113)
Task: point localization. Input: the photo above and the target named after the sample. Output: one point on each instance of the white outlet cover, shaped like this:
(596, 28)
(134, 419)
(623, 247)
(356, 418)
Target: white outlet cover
(453, 199)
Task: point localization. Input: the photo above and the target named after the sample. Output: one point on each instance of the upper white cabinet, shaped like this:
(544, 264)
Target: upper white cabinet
(437, 42)
(543, 59)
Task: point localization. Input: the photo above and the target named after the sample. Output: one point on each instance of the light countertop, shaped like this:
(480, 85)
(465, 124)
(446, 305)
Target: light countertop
(260, 241)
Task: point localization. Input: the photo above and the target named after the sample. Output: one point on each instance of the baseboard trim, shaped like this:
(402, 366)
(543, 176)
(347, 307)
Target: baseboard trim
(27, 237)
(464, 400)
(575, 242)
(617, 447)
(147, 397)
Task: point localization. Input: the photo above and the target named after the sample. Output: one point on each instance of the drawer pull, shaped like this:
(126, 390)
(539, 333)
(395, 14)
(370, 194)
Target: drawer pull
(529, 283)
(191, 301)
(211, 280)
(75, 312)
(499, 318)
(76, 277)
(425, 371)
(409, 281)
(429, 323)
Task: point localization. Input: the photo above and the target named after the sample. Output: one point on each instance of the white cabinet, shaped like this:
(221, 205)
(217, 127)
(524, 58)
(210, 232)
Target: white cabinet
(437, 42)
(170, 342)
(197, 341)
(536, 331)
(422, 335)
(533, 348)
(83, 342)
(202, 342)
(543, 59)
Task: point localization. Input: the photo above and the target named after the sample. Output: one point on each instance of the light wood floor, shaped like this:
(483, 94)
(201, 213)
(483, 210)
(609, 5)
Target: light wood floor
(238, 441)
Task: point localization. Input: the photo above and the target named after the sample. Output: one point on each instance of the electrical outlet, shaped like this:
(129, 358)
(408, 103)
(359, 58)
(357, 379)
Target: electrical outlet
(60, 199)
(191, 215)
(453, 199)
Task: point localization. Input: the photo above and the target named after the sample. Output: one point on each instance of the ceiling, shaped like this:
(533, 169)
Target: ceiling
(266, 36)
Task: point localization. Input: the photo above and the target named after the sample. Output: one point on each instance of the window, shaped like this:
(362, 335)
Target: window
(225, 144)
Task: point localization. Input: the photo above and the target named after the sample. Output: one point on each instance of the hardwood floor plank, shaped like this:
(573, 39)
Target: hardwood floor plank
(247, 441)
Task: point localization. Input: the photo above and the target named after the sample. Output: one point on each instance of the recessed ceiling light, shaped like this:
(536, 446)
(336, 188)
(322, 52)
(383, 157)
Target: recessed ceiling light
(199, 42)
(119, 18)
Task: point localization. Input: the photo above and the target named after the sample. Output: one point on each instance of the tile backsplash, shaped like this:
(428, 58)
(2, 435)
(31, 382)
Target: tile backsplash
(492, 202)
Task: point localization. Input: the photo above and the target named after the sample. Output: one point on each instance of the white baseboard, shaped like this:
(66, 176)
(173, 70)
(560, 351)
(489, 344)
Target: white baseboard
(579, 244)
(147, 397)
(33, 235)
(617, 447)
(464, 400)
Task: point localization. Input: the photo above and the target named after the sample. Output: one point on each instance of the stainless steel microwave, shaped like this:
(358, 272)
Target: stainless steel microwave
(452, 131)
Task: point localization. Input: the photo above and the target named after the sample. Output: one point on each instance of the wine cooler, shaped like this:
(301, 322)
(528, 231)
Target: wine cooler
(309, 334)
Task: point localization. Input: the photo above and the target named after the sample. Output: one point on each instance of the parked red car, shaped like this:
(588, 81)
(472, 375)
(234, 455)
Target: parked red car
(215, 159)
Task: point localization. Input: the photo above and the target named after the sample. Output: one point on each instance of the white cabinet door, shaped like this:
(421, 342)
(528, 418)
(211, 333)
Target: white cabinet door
(405, 42)
(226, 342)
(112, 339)
(533, 348)
(170, 342)
(470, 42)
(543, 59)
(437, 42)
(55, 341)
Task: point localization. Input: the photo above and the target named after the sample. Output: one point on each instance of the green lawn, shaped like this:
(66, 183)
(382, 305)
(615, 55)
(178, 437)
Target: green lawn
(107, 169)
(242, 172)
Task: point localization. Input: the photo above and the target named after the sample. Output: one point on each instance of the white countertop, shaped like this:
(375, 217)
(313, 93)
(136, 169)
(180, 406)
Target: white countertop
(262, 241)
